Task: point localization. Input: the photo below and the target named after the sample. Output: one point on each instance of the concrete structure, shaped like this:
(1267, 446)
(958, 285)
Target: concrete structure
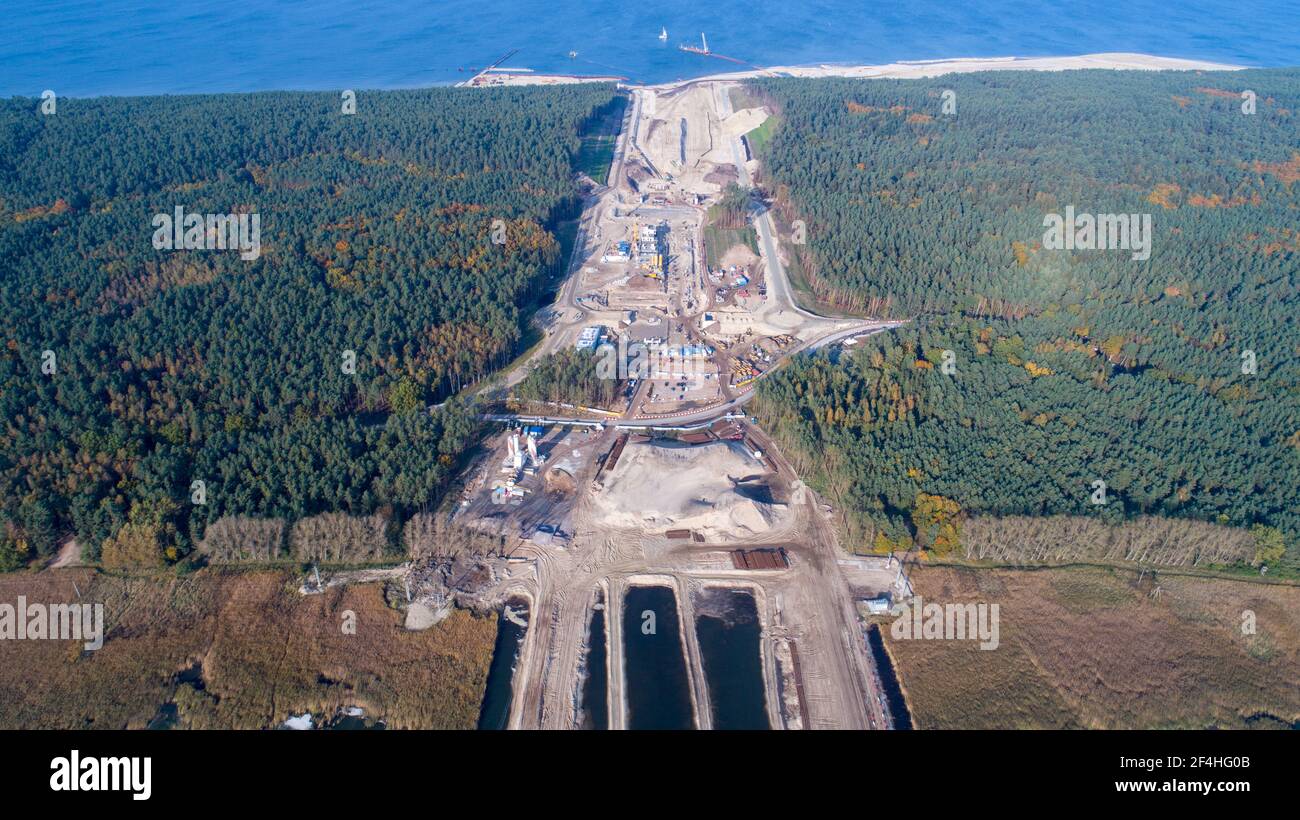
(877, 606)
(590, 338)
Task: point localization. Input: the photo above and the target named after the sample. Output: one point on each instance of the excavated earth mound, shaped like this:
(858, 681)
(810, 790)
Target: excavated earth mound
(702, 494)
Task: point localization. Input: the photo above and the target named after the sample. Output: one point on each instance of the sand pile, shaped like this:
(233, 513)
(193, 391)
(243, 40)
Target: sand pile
(666, 485)
(743, 121)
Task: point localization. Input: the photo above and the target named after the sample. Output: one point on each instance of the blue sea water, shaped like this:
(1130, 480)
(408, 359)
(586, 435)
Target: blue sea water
(99, 47)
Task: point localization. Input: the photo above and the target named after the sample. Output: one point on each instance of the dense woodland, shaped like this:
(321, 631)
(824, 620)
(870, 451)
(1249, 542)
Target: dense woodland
(1066, 366)
(570, 377)
(414, 234)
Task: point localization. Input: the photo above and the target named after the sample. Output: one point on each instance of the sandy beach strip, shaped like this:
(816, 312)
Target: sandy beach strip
(913, 69)
(903, 69)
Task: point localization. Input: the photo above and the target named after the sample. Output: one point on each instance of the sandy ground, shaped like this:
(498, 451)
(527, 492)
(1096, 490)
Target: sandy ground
(703, 494)
(904, 69)
(69, 555)
(660, 135)
(497, 78)
(912, 69)
(739, 255)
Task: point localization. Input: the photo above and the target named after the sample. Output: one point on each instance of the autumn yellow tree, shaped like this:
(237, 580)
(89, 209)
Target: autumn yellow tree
(935, 519)
(134, 545)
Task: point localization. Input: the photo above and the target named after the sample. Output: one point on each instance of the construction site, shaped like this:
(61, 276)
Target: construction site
(621, 522)
(651, 270)
(593, 515)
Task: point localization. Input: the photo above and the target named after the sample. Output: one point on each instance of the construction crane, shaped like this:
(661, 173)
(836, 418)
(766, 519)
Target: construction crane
(703, 48)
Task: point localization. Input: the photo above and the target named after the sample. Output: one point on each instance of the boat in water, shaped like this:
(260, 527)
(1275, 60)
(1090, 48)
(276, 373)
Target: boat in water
(663, 34)
(702, 48)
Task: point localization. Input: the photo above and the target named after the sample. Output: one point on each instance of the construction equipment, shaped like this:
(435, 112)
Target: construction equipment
(516, 454)
(703, 47)
(532, 450)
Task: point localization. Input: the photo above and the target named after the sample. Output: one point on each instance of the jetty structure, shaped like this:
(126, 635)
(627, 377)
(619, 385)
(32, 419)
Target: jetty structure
(703, 49)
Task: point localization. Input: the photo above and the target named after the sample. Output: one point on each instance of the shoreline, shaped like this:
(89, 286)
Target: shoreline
(902, 69)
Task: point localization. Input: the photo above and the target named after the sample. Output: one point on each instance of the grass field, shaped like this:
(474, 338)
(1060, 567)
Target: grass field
(760, 136)
(595, 156)
(1096, 648)
(742, 97)
(718, 240)
(596, 152)
(262, 651)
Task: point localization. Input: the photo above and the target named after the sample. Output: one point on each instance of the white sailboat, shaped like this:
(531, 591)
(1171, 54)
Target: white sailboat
(663, 34)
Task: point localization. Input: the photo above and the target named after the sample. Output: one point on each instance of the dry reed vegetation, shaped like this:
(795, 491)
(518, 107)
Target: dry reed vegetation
(1101, 648)
(263, 653)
